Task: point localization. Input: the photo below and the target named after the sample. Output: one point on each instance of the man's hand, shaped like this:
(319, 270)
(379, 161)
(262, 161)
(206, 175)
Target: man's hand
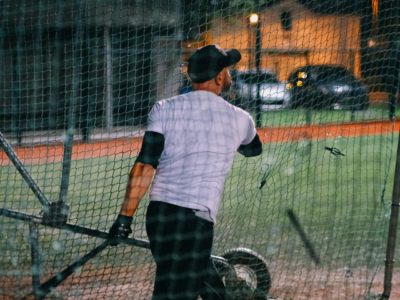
(121, 228)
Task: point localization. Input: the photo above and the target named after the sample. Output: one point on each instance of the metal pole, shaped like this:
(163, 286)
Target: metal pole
(67, 155)
(394, 214)
(391, 242)
(69, 135)
(71, 228)
(395, 76)
(23, 171)
(35, 255)
(108, 60)
(258, 70)
(16, 107)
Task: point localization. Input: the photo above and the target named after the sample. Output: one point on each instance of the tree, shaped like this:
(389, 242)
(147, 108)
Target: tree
(245, 6)
(337, 6)
(198, 14)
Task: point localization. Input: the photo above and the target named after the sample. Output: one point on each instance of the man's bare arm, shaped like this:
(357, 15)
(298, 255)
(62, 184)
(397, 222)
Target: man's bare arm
(140, 178)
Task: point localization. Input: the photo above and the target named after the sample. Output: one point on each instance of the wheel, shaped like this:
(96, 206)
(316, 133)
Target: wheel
(250, 278)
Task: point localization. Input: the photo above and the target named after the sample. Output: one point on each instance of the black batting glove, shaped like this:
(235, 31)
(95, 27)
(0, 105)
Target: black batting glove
(121, 228)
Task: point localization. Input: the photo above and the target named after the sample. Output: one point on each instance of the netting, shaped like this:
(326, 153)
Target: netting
(78, 79)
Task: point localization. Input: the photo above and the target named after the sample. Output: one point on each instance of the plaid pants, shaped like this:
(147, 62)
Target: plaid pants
(181, 244)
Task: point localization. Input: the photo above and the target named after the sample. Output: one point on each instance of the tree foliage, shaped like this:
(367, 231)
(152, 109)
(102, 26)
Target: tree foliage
(337, 6)
(244, 6)
(319, 6)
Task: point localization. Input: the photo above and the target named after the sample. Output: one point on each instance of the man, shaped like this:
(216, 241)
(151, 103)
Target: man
(189, 148)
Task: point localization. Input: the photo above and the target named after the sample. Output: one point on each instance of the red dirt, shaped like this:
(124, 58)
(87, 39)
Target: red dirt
(136, 283)
(54, 152)
(130, 146)
(324, 131)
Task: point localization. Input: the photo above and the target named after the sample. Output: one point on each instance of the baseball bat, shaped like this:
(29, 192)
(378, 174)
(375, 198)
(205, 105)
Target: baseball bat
(306, 241)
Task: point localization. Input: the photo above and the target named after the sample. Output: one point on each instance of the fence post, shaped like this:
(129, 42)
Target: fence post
(258, 49)
(69, 135)
(391, 241)
(394, 214)
(35, 257)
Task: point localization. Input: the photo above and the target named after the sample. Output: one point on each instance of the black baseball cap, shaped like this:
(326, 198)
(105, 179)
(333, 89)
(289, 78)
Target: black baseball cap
(209, 60)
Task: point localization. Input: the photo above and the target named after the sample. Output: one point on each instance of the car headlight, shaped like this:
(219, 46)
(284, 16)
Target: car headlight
(337, 89)
(343, 88)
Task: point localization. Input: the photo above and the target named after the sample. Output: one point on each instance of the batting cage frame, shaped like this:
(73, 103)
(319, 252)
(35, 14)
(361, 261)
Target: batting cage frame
(315, 216)
(55, 215)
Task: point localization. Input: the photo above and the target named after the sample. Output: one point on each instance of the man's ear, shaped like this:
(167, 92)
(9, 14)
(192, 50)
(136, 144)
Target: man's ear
(219, 79)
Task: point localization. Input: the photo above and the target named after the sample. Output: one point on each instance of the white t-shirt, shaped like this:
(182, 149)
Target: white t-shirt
(202, 133)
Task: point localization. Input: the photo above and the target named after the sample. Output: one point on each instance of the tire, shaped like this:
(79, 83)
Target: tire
(250, 278)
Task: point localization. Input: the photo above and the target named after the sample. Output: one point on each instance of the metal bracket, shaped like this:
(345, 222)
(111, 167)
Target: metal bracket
(56, 215)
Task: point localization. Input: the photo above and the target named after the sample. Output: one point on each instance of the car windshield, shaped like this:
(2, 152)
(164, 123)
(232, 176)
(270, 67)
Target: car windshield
(332, 75)
(252, 78)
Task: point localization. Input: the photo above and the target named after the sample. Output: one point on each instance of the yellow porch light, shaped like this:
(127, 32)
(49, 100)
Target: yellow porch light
(253, 19)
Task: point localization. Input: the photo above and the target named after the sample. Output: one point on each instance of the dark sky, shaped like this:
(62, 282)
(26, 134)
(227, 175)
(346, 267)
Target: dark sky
(388, 18)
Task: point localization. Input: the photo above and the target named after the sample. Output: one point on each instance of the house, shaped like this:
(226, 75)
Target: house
(292, 36)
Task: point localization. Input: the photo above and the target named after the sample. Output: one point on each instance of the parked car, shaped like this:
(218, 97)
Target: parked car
(273, 94)
(326, 86)
(185, 85)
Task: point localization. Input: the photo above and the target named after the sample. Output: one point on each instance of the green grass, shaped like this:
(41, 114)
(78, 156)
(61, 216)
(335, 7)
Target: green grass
(342, 203)
(303, 117)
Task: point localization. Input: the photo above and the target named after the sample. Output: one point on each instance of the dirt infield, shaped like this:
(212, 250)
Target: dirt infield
(123, 283)
(333, 285)
(130, 146)
(324, 131)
